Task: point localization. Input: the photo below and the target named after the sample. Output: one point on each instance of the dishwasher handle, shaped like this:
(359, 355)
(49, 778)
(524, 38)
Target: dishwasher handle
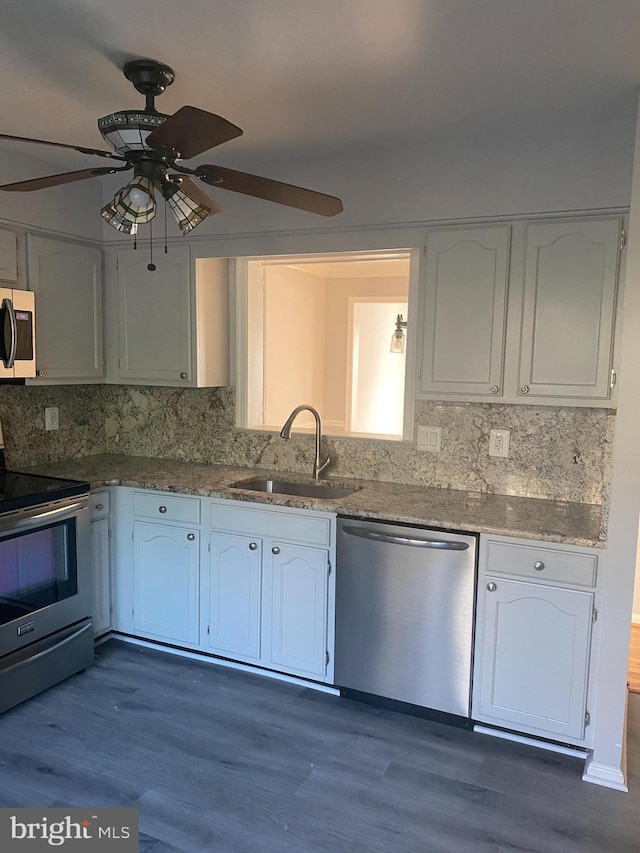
(413, 541)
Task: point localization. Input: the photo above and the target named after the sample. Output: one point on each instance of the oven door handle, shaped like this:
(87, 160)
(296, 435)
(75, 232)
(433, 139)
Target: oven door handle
(39, 518)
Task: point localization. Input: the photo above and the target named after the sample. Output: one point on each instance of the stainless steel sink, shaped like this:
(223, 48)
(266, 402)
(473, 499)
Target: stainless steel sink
(285, 487)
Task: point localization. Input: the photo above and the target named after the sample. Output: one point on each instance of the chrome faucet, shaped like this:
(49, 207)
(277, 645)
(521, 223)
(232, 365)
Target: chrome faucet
(285, 433)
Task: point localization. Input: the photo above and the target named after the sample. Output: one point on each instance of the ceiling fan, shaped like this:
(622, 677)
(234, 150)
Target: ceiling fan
(153, 145)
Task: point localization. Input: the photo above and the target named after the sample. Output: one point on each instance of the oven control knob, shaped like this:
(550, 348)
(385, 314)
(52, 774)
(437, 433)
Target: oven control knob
(162, 509)
(191, 536)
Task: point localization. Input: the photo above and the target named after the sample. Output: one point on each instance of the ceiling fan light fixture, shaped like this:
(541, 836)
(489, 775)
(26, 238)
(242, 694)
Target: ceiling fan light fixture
(127, 130)
(124, 201)
(188, 213)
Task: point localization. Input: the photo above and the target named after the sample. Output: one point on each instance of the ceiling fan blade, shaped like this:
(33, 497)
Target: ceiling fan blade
(292, 196)
(79, 148)
(57, 180)
(195, 192)
(191, 131)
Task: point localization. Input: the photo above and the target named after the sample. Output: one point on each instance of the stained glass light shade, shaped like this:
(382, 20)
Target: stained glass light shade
(127, 130)
(111, 215)
(188, 213)
(124, 205)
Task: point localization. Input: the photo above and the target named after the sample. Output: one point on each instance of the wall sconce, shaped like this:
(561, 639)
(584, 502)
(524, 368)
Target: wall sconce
(398, 337)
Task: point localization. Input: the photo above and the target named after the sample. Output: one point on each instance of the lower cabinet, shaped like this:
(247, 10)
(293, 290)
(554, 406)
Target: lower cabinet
(266, 599)
(100, 561)
(535, 620)
(165, 576)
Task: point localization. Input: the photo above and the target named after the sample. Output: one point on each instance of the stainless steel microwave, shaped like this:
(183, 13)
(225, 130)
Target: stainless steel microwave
(17, 334)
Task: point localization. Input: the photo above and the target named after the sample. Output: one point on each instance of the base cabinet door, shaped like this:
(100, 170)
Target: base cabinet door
(166, 575)
(534, 658)
(296, 581)
(232, 600)
(100, 575)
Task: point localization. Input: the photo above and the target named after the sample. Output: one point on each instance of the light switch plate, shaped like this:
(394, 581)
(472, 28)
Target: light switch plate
(51, 418)
(429, 438)
(499, 442)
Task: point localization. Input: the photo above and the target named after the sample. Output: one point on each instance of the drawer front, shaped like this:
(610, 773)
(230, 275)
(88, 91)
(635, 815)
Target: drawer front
(543, 564)
(163, 507)
(308, 529)
(98, 505)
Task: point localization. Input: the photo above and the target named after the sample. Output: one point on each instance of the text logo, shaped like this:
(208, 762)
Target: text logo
(33, 830)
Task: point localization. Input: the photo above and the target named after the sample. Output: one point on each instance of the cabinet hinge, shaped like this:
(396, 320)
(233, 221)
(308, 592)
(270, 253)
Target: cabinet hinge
(587, 718)
(209, 547)
(327, 658)
(328, 567)
(614, 377)
(424, 250)
(208, 629)
(132, 611)
(594, 615)
(623, 239)
(419, 373)
(132, 536)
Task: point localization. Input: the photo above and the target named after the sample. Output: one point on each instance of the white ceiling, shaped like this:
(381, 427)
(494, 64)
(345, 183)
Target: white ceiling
(318, 76)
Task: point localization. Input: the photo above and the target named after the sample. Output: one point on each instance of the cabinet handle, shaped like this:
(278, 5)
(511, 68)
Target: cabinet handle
(162, 509)
(275, 550)
(494, 389)
(524, 389)
(252, 546)
(99, 507)
(41, 373)
(183, 375)
(538, 565)
(191, 536)
(492, 587)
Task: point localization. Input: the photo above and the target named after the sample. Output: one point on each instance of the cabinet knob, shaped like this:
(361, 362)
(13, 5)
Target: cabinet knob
(492, 587)
(538, 565)
(253, 546)
(524, 389)
(99, 507)
(41, 373)
(275, 550)
(162, 509)
(494, 389)
(191, 536)
(183, 375)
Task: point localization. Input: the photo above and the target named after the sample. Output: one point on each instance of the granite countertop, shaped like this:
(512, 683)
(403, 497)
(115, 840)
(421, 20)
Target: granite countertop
(530, 518)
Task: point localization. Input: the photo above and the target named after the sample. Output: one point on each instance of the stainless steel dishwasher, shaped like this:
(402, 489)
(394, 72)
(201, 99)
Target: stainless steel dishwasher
(404, 613)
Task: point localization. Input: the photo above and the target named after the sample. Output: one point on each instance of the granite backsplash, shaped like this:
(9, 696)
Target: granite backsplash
(556, 453)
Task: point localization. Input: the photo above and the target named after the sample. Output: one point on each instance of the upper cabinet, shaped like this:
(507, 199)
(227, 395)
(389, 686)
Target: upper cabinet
(66, 278)
(569, 309)
(465, 309)
(8, 255)
(173, 320)
(521, 314)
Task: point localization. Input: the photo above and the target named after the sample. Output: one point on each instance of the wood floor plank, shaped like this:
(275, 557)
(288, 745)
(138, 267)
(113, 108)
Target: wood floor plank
(219, 760)
(634, 660)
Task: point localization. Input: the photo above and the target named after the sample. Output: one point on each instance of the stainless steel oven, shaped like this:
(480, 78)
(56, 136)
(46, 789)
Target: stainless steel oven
(46, 631)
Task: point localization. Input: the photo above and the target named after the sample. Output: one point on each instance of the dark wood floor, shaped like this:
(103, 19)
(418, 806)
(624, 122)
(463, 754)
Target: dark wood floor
(218, 760)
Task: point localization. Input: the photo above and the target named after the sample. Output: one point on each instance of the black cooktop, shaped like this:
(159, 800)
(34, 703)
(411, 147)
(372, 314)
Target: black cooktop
(18, 490)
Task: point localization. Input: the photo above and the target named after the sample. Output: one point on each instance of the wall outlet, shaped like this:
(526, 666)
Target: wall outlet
(429, 438)
(52, 418)
(499, 442)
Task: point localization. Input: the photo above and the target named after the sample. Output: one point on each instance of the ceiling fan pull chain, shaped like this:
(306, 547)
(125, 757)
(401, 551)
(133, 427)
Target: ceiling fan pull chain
(151, 266)
(165, 227)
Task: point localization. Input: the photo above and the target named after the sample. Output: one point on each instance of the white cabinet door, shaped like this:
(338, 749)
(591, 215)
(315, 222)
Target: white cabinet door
(296, 584)
(156, 316)
(165, 569)
(569, 309)
(232, 606)
(100, 564)
(67, 280)
(465, 311)
(534, 645)
(8, 255)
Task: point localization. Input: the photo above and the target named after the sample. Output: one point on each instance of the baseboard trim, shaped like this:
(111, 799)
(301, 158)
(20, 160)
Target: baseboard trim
(602, 774)
(576, 752)
(214, 661)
